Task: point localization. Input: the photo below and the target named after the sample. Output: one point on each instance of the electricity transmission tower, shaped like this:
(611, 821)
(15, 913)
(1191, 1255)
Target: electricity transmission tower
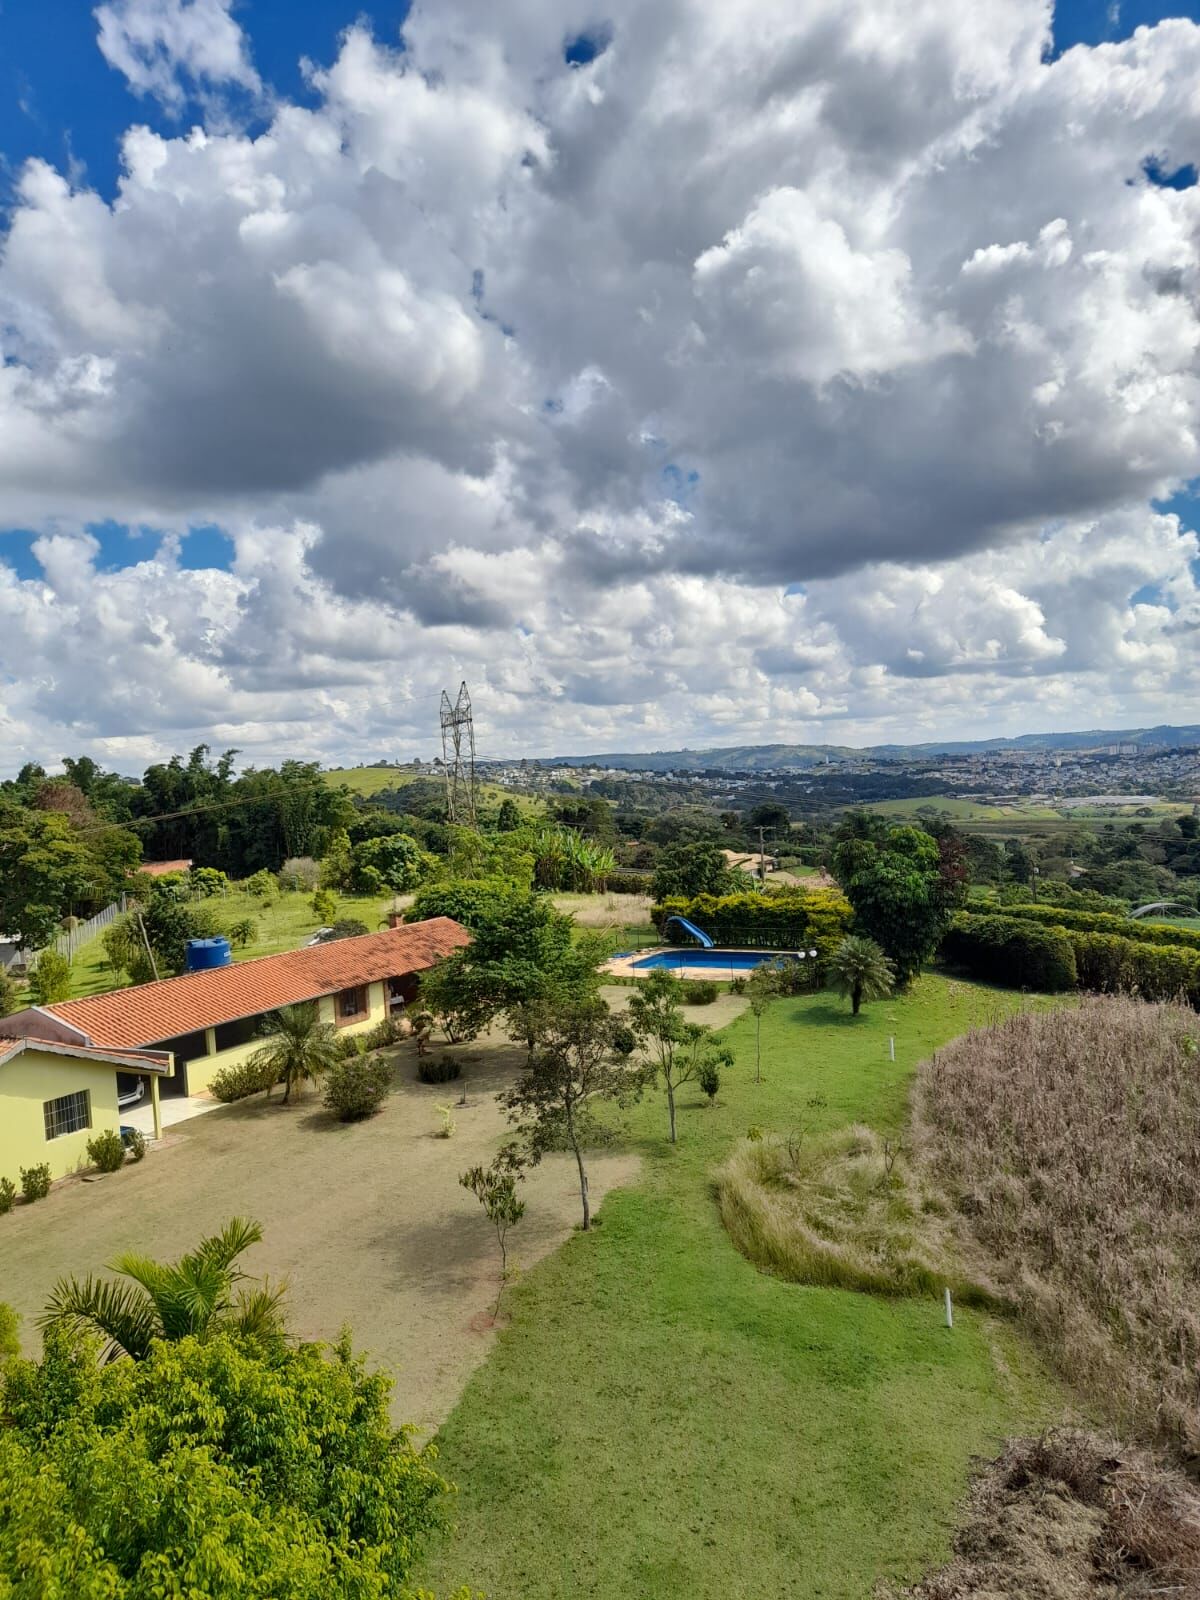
(458, 757)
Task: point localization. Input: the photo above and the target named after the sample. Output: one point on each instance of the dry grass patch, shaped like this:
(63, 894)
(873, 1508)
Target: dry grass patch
(1066, 1143)
(1069, 1516)
(841, 1210)
(605, 910)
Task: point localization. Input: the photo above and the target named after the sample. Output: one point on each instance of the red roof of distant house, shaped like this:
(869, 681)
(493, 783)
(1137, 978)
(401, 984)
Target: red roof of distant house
(159, 869)
(151, 1012)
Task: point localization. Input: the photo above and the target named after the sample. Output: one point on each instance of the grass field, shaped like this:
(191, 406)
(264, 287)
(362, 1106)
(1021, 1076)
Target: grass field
(663, 1420)
(371, 780)
(1015, 820)
(283, 924)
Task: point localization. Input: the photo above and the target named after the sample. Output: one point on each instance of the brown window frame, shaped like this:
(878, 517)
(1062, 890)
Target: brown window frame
(344, 1019)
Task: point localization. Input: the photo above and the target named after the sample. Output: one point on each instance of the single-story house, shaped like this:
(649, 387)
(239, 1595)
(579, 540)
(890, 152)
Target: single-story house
(55, 1096)
(206, 1020)
(163, 869)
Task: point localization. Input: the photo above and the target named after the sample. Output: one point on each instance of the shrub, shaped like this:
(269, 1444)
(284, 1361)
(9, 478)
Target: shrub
(50, 980)
(438, 1069)
(262, 885)
(624, 880)
(389, 1030)
(624, 1040)
(471, 901)
(448, 1125)
(793, 919)
(243, 933)
(207, 881)
(357, 1088)
(700, 992)
(1099, 922)
(737, 985)
(8, 1195)
(299, 872)
(10, 1345)
(135, 1144)
(35, 1182)
(708, 1076)
(8, 993)
(324, 905)
(106, 1151)
(345, 928)
(241, 1079)
(1005, 950)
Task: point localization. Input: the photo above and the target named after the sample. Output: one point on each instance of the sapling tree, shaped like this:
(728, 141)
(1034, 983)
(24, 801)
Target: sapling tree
(762, 986)
(495, 1187)
(676, 1050)
(573, 1063)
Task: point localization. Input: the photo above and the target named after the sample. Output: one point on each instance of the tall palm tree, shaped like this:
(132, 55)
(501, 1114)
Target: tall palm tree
(299, 1046)
(860, 969)
(196, 1295)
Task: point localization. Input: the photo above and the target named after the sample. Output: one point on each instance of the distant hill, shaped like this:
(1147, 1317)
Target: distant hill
(801, 757)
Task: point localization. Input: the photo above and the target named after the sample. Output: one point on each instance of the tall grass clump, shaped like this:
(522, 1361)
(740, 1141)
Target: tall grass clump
(841, 1211)
(1066, 1144)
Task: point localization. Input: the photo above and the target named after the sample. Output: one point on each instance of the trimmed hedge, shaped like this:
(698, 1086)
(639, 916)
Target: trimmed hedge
(792, 920)
(1102, 922)
(1006, 950)
(1017, 951)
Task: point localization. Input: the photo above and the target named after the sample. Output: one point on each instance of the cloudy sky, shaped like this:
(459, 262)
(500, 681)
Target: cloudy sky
(705, 371)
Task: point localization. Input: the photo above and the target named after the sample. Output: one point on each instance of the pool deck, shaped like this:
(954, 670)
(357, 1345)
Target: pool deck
(624, 966)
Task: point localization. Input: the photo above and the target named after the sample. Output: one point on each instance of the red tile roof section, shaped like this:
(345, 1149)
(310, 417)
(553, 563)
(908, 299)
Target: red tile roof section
(159, 869)
(151, 1012)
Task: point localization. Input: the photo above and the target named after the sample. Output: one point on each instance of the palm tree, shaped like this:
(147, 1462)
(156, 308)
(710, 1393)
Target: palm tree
(299, 1046)
(860, 969)
(196, 1295)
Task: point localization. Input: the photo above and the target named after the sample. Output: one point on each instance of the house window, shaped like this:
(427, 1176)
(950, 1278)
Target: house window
(68, 1114)
(229, 1035)
(352, 1004)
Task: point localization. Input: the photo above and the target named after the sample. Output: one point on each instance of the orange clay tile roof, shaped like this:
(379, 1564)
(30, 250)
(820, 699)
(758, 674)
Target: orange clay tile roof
(151, 1012)
(159, 869)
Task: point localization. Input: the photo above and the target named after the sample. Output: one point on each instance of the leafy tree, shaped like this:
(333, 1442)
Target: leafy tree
(573, 1064)
(194, 1297)
(337, 864)
(860, 969)
(475, 902)
(394, 862)
(210, 1468)
(299, 873)
(895, 888)
(762, 986)
(495, 1187)
(324, 905)
(691, 869)
(299, 1047)
(243, 932)
(357, 1087)
(677, 1049)
(50, 980)
(508, 817)
(45, 868)
(8, 993)
(771, 816)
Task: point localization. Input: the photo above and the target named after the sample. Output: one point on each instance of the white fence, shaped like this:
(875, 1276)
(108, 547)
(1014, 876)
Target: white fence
(67, 944)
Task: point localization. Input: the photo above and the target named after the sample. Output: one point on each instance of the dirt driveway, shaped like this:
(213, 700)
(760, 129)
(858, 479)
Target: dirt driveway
(367, 1221)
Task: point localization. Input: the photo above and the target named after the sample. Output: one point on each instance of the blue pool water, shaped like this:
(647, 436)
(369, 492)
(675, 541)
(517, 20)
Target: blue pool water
(721, 960)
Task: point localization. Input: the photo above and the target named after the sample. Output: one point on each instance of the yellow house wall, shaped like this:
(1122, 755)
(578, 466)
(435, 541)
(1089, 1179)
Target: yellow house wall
(200, 1072)
(25, 1083)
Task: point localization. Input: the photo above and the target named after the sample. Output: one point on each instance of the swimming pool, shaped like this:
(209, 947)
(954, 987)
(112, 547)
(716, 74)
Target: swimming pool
(719, 960)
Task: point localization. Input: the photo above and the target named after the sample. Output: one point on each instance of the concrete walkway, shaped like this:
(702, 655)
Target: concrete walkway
(180, 1108)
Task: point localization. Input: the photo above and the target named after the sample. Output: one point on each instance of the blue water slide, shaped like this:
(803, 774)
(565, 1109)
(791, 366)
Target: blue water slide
(690, 927)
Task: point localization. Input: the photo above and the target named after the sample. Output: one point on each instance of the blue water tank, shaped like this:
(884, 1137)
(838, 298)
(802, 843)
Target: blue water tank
(205, 953)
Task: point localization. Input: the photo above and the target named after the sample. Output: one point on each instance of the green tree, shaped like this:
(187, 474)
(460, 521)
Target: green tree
(762, 986)
(196, 1296)
(394, 862)
(495, 1187)
(299, 1047)
(45, 868)
(8, 993)
(679, 1051)
(50, 980)
(896, 889)
(508, 817)
(324, 905)
(860, 969)
(691, 869)
(575, 1062)
(772, 817)
(210, 1468)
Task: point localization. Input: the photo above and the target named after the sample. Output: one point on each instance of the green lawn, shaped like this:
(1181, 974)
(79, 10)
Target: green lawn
(661, 1420)
(283, 924)
(368, 781)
